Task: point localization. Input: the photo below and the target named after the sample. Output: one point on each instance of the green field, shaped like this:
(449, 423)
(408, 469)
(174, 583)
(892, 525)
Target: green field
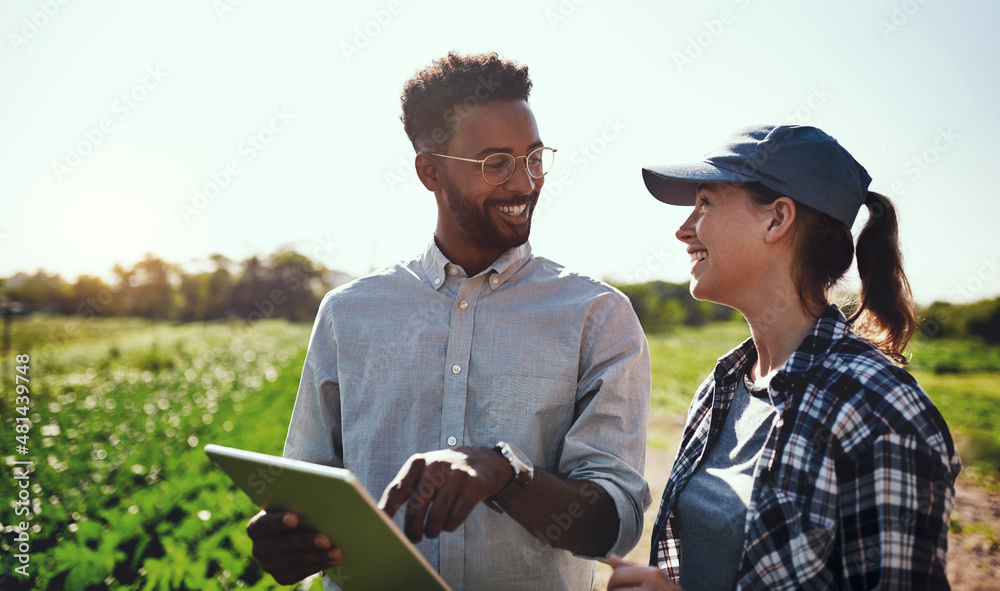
(122, 494)
(123, 497)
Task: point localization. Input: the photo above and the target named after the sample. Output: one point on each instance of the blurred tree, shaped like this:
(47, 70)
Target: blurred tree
(91, 296)
(297, 281)
(985, 320)
(660, 305)
(152, 288)
(194, 297)
(219, 288)
(961, 321)
(40, 292)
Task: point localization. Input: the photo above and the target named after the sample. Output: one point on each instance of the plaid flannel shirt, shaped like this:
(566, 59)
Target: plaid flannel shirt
(855, 485)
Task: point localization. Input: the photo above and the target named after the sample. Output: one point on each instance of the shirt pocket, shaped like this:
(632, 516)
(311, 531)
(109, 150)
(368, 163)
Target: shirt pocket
(784, 544)
(534, 413)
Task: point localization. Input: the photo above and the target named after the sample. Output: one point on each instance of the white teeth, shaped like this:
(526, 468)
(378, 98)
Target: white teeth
(699, 255)
(516, 210)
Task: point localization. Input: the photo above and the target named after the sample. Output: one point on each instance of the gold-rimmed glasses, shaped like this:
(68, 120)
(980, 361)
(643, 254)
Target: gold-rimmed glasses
(499, 167)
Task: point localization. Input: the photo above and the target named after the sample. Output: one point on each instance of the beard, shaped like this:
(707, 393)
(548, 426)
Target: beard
(481, 227)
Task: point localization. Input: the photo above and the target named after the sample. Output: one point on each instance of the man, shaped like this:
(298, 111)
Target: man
(490, 393)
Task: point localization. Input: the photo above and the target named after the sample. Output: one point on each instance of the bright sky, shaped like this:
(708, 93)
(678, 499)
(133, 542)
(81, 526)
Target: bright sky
(284, 117)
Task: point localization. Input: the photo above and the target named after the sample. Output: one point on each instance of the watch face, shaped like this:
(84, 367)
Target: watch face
(523, 468)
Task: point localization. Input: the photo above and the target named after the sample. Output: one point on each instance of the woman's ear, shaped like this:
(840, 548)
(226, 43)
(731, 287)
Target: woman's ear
(428, 171)
(780, 220)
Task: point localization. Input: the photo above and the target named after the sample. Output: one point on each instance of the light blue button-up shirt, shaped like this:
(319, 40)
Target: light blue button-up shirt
(419, 357)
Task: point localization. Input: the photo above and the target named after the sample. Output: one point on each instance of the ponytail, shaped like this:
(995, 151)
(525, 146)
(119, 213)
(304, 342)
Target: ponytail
(885, 314)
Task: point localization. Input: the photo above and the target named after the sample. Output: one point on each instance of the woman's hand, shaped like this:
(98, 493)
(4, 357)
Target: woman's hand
(633, 576)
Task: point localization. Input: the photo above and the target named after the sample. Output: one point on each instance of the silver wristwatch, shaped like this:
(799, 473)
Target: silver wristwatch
(524, 470)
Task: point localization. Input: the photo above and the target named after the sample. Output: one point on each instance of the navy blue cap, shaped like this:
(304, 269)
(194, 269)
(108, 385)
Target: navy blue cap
(798, 161)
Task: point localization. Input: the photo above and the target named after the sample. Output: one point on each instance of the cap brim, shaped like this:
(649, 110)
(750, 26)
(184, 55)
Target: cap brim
(678, 184)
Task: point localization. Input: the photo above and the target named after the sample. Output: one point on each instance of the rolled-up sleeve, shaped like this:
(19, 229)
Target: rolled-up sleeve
(606, 444)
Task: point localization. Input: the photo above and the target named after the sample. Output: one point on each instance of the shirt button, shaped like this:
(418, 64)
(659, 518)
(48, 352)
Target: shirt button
(437, 281)
(452, 441)
(456, 369)
(494, 280)
(463, 304)
(453, 270)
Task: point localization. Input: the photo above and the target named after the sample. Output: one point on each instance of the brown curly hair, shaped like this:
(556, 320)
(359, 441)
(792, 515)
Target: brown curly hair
(437, 99)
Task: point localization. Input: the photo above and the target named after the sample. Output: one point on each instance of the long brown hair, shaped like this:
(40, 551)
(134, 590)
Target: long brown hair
(885, 314)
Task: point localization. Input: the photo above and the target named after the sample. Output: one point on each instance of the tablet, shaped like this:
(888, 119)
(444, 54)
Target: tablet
(377, 554)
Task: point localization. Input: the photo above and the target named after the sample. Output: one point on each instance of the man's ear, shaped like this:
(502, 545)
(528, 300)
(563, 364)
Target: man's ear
(780, 219)
(428, 171)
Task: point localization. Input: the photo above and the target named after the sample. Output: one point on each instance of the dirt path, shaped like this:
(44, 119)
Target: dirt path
(973, 553)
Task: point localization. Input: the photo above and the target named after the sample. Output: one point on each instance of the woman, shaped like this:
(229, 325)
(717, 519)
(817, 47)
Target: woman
(809, 460)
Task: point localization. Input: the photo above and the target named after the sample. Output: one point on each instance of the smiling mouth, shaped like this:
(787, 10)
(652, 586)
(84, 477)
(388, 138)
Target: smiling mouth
(698, 255)
(513, 209)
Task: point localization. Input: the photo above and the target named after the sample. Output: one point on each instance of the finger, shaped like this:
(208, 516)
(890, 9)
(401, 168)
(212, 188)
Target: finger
(293, 542)
(630, 576)
(270, 522)
(465, 501)
(616, 561)
(291, 568)
(416, 509)
(620, 579)
(450, 486)
(399, 489)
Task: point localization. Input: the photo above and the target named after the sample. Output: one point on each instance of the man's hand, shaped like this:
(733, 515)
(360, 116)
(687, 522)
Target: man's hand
(441, 488)
(288, 552)
(644, 578)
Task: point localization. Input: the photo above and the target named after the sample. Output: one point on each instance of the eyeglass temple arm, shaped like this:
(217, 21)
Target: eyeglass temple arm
(457, 158)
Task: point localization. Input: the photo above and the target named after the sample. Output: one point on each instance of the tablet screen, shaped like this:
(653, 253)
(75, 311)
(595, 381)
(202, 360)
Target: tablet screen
(377, 554)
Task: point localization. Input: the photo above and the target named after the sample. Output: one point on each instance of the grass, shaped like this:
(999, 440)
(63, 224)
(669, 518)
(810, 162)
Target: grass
(681, 360)
(123, 495)
(949, 356)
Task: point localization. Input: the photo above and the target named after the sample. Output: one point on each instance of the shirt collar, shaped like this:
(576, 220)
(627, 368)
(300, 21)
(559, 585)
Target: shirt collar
(435, 265)
(830, 327)
(508, 264)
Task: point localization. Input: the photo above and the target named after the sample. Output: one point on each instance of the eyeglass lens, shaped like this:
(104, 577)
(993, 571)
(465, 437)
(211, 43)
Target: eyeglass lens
(497, 168)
